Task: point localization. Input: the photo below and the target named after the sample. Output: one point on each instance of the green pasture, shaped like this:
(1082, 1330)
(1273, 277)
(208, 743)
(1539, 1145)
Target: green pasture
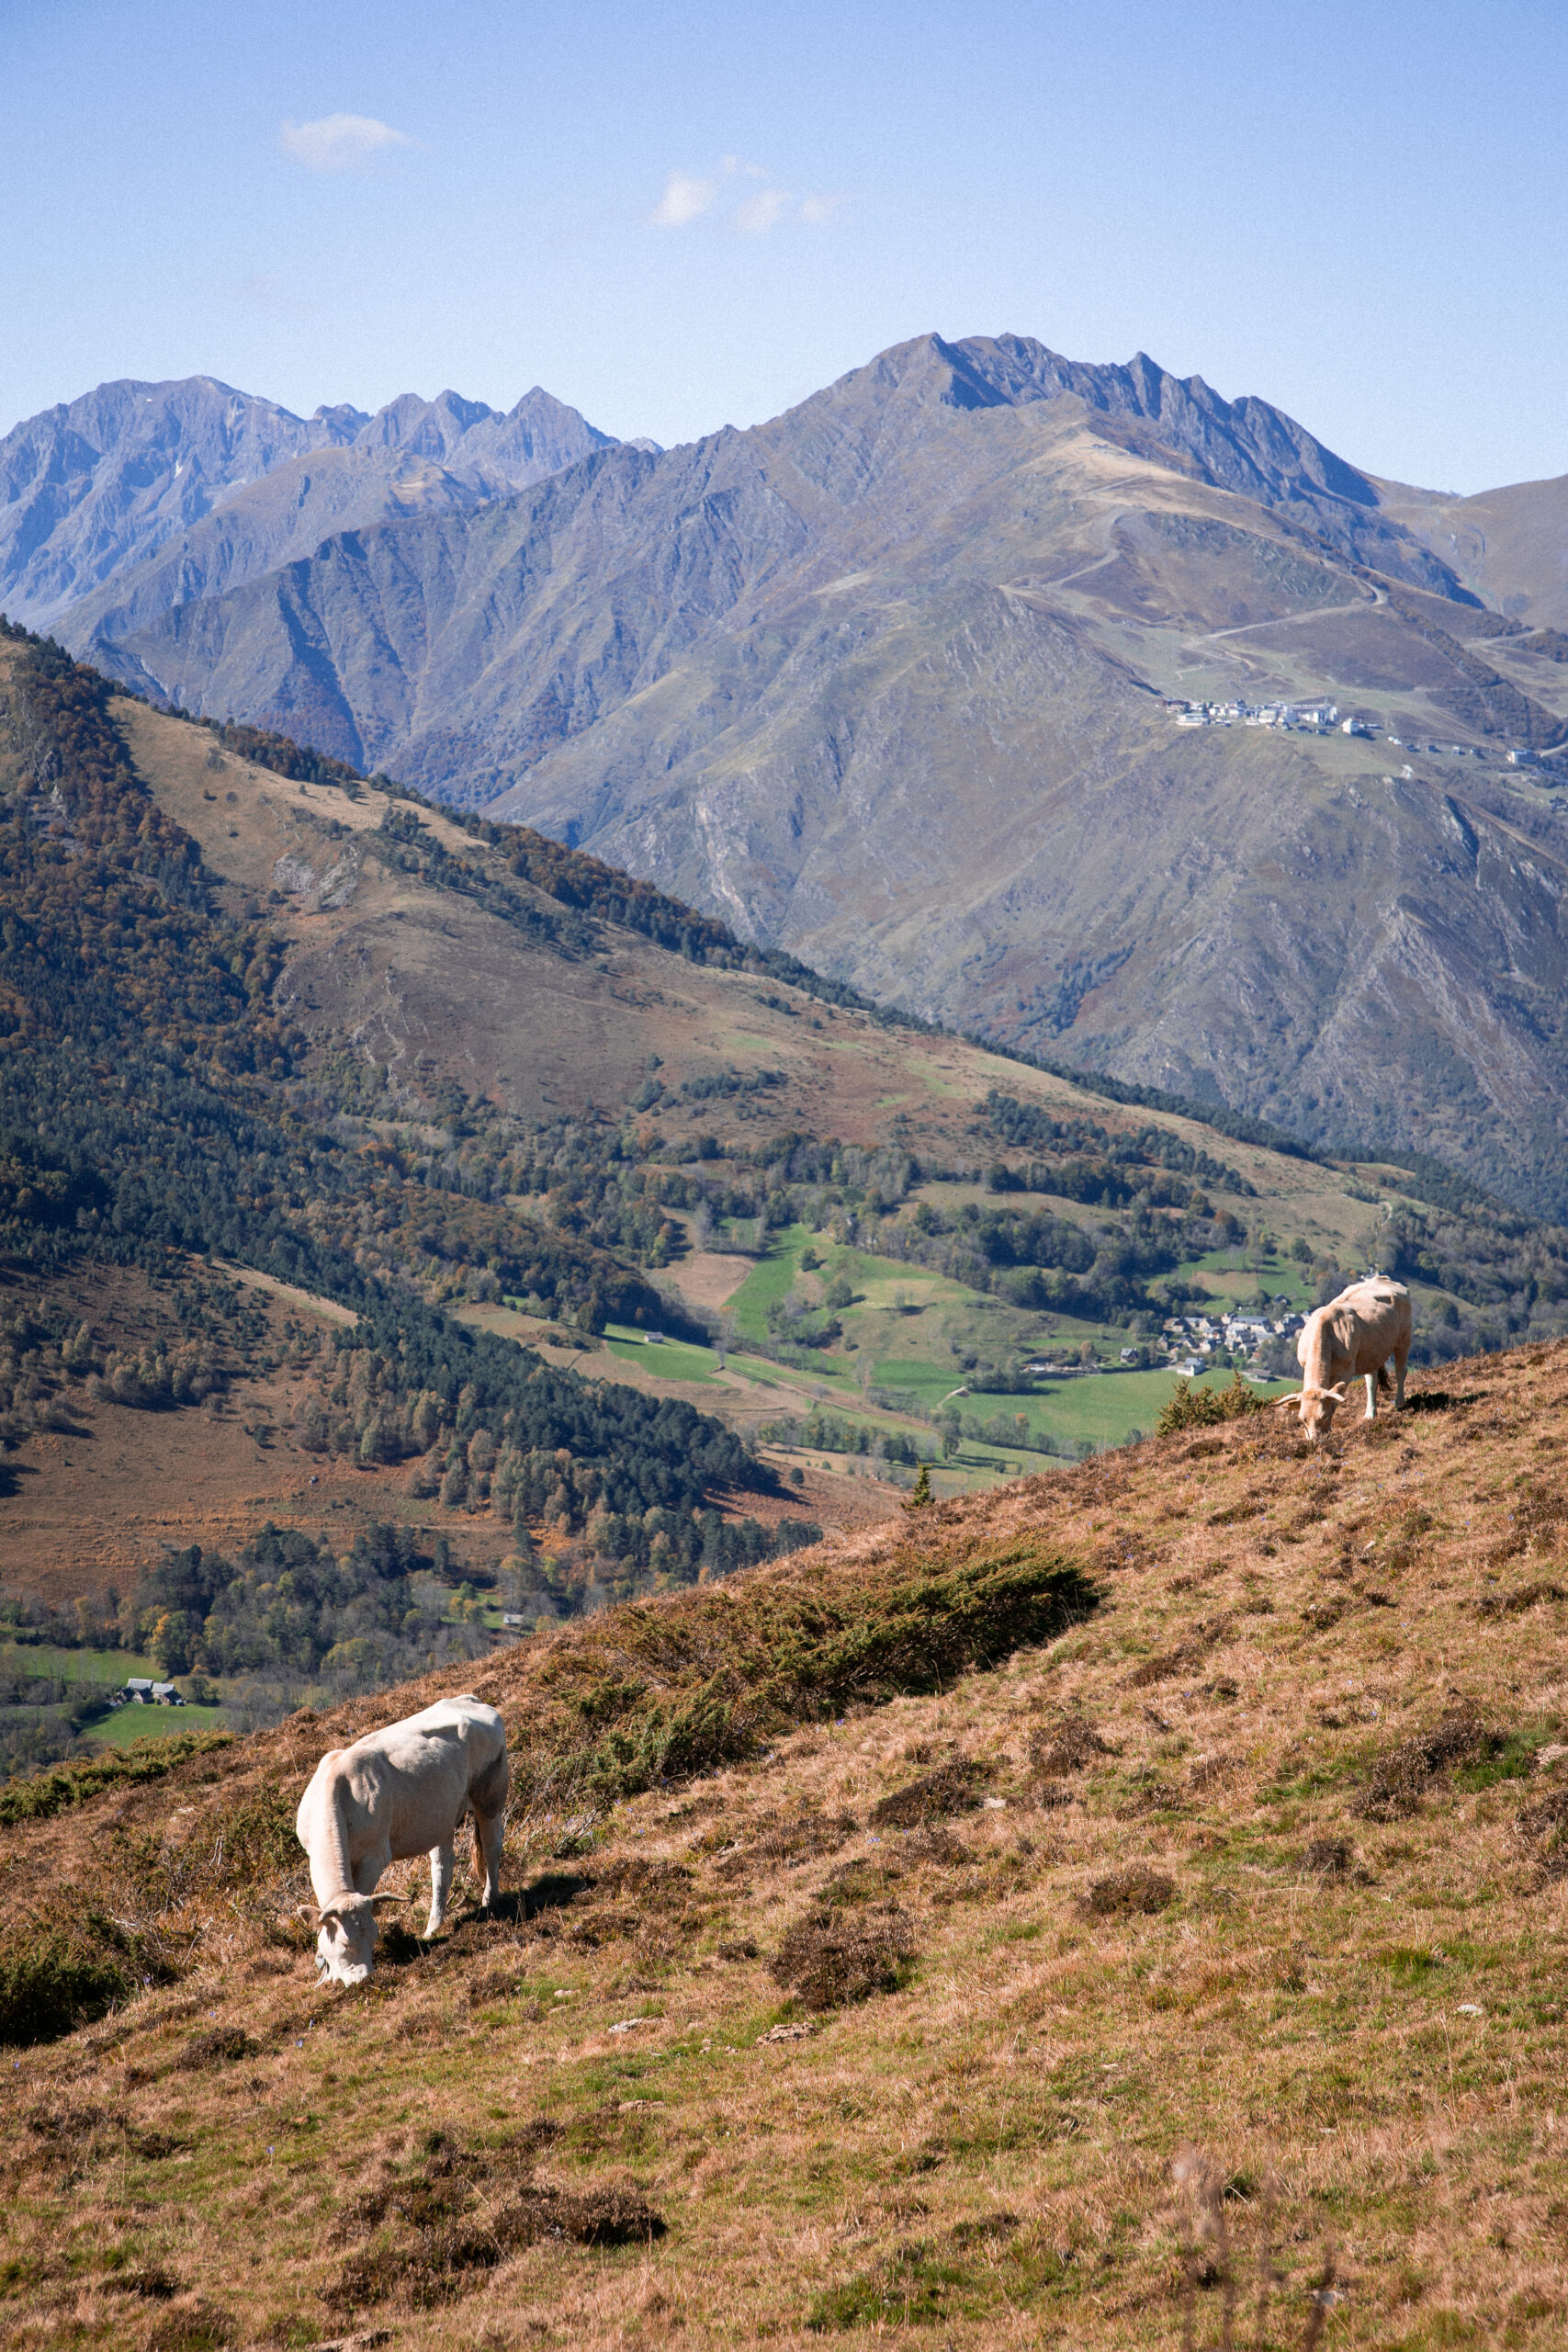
(1234, 1274)
(880, 1284)
(669, 1359)
(111, 1667)
(892, 1308)
(1106, 1407)
(768, 1282)
(927, 1383)
(139, 1721)
(683, 1360)
(1103, 1408)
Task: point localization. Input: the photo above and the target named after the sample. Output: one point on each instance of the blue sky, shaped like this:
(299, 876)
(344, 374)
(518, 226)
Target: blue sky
(680, 217)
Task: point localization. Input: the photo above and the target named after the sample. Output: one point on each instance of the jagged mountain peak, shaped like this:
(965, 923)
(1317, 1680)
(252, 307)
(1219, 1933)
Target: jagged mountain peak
(96, 488)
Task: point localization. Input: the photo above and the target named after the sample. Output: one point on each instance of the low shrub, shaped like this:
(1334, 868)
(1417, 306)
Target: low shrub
(1400, 1779)
(936, 1796)
(193, 2327)
(1200, 1408)
(54, 1974)
(788, 1655)
(1071, 1746)
(69, 1784)
(829, 1961)
(1129, 1893)
(205, 2050)
(436, 2265)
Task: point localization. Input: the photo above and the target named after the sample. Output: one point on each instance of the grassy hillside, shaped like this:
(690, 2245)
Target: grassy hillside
(1035, 1921)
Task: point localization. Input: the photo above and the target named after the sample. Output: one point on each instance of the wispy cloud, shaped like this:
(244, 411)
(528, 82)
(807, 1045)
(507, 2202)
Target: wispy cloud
(690, 197)
(340, 143)
(755, 215)
(686, 198)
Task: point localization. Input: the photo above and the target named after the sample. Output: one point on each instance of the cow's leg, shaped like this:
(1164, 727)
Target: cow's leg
(1372, 1395)
(488, 1833)
(441, 1858)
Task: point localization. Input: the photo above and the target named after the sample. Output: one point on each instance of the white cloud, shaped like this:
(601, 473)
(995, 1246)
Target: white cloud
(755, 215)
(686, 198)
(339, 142)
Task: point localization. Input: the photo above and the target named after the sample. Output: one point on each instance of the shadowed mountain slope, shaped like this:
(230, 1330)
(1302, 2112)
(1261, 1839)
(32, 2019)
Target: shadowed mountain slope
(881, 681)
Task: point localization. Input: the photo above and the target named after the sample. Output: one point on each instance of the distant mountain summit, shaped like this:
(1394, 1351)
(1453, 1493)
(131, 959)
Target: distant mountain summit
(97, 483)
(108, 503)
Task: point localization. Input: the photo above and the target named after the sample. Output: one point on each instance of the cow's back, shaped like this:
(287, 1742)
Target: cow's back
(410, 1782)
(1369, 1321)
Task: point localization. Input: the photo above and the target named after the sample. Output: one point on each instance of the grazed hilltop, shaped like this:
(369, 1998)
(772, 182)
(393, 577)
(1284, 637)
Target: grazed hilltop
(1074, 1915)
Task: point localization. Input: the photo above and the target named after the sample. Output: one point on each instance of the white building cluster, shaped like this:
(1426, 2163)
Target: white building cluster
(1193, 1338)
(1323, 718)
(1306, 718)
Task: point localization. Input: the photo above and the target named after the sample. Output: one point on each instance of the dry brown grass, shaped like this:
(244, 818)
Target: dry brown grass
(1352, 2000)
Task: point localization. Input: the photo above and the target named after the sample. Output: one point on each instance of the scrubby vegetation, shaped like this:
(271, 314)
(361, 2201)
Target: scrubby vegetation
(142, 1046)
(1198, 1409)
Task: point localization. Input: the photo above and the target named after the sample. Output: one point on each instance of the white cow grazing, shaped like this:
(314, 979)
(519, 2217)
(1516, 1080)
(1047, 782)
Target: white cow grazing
(1352, 1338)
(400, 1791)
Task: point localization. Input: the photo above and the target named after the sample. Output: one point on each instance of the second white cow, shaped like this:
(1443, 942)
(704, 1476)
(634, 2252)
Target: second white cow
(399, 1792)
(1352, 1338)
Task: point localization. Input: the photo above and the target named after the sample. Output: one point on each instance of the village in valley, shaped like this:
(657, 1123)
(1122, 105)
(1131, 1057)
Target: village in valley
(1196, 1341)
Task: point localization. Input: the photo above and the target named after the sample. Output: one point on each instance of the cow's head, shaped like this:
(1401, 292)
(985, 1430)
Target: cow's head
(345, 1941)
(1318, 1408)
(1317, 1398)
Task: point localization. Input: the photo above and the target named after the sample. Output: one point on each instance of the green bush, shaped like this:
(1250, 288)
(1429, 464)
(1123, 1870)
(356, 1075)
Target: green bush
(1200, 1408)
(69, 1784)
(815, 1654)
(53, 1975)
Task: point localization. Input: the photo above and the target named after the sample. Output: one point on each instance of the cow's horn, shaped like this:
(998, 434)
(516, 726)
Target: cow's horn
(1293, 1398)
(309, 1913)
(396, 1901)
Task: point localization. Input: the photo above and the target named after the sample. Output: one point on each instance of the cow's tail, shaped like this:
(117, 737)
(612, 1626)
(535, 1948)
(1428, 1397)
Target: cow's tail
(1384, 1382)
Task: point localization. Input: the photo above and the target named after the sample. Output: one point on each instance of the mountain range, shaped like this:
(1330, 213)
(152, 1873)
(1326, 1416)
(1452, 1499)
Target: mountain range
(891, 682)
(137, 497)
